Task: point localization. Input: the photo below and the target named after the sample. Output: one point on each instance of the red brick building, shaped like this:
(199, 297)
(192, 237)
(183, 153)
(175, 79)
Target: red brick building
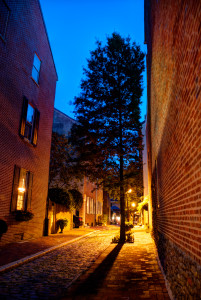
(173, 37)
(27, 90)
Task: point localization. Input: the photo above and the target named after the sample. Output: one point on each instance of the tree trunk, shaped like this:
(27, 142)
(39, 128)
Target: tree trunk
(122, 203)
(121, 177)
(121, 169)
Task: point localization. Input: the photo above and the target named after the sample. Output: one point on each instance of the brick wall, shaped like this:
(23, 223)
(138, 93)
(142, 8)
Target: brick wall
(173, 34)
(25, 35)
(89, 191)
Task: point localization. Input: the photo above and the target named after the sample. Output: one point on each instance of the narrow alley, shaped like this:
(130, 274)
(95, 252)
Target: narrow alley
(112, 271)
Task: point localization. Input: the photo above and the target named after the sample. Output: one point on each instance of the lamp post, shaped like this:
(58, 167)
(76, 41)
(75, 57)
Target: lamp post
(133, 206)
(128, 192)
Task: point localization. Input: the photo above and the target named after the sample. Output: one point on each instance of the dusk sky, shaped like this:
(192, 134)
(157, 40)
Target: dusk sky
(73, 27)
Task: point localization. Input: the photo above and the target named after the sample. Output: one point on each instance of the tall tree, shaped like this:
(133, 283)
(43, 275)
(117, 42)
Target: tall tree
(108, 135)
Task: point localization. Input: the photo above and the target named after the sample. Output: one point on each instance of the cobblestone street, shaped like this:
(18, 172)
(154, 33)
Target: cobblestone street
(49, 276)
(126, 272)
(90, 268)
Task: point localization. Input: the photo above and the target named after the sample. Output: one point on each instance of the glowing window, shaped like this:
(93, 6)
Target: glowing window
(22, 189)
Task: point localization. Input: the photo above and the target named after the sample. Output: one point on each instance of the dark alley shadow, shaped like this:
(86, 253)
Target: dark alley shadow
(94, 281)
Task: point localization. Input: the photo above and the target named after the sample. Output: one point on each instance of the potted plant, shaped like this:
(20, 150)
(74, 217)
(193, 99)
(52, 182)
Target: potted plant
(23, 215)
(61, 223)
(128, 226)
(3, 228)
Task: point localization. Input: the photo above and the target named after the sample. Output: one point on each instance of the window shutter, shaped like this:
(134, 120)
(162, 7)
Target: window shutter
(24, 116)
(35, 127)
(15, 188)
(4, 15)
(29, 191)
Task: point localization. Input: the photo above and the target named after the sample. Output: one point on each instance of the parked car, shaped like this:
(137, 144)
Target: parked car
(77, 221)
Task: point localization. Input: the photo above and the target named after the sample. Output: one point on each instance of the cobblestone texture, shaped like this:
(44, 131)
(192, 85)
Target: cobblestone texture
(48, 277)
(128, 271)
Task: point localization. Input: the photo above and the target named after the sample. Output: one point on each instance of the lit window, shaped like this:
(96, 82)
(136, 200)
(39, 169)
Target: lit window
(4, 14)
(36, 68)
(29, 122)
(22, 189)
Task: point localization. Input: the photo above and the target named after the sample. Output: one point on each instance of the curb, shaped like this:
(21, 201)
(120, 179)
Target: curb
(21, 261)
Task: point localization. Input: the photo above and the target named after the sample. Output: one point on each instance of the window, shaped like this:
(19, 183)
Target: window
(29, 122)
(36, 68)
(4, 15)
(91, 206)
(22, 189)
(88, 205)
(99, 208)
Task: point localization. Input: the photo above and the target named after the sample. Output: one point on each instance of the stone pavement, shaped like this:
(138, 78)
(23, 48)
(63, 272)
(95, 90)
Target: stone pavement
(13, 252)
(49, 276)
(99, 269)
(128, 271)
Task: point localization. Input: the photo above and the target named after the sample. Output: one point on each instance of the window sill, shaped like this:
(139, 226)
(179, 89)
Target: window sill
(27, 141)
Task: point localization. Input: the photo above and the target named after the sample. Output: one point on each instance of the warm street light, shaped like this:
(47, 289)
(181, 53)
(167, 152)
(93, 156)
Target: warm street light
(133, 204)
(118, 219)
(129, 191)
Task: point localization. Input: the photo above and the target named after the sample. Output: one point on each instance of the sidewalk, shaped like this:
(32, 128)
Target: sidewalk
(18, 252)
(128, 271)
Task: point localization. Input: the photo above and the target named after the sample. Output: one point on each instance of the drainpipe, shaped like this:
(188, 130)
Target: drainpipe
(95, 206)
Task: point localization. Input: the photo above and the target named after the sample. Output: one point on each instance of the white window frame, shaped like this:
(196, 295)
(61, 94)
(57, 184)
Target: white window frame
(36, 69)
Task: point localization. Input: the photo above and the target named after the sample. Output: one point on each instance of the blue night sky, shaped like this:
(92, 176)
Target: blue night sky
(73, 27)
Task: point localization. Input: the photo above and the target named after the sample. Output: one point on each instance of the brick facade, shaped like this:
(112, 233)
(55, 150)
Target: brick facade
(25, 35)
(172, 34)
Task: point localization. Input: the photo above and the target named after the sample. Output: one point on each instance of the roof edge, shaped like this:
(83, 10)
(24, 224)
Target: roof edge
(47, 37)
(55, 109)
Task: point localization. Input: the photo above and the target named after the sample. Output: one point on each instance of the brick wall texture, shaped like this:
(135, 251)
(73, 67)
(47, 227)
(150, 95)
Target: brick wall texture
(25, 35)
(173, 37)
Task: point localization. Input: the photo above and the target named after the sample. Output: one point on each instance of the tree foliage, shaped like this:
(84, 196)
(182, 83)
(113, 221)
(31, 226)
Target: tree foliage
(64, 176)
(143, 204)
(60, 196)
(77, 198)
(108, 134)
(63, 171)
(71, 199)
